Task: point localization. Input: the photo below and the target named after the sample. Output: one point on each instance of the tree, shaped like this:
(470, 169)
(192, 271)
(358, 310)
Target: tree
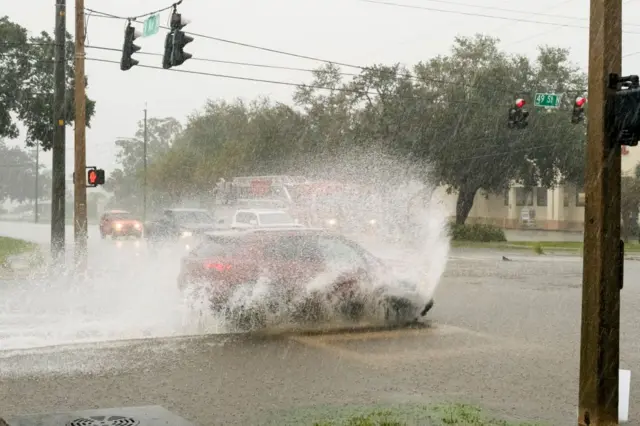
(27, 69)
(471, 90)
(630, 205)
(18, 175)
(126, 182)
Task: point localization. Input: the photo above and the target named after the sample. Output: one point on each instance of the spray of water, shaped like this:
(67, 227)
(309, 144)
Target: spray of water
(129, 293)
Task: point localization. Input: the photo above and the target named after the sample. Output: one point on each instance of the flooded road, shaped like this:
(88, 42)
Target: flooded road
(504, 335)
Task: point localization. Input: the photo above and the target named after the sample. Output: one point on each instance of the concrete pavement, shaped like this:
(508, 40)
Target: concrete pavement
(504, 335)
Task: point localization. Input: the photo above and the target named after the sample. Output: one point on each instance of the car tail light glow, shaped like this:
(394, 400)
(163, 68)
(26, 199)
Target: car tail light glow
(217, 266)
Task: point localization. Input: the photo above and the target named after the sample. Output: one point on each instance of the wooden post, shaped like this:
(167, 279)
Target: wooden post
(80, 184)
(600, 331)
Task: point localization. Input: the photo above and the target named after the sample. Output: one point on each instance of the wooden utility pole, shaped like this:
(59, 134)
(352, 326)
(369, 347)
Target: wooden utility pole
(144, 185)
(600, 331)
(80, 183)
(58, 178)
(36, 189)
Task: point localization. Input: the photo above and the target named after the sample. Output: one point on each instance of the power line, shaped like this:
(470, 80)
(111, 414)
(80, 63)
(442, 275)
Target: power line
(482, 15)
(136, 17)
(220, 61)
(550, 15)
(251, 46)
(286, 83)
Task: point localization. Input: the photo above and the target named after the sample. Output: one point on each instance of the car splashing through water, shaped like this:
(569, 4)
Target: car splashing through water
(295, 276)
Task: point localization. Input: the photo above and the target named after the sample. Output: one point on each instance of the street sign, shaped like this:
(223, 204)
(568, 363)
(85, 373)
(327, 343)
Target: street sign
(547, 100)
(151, 25)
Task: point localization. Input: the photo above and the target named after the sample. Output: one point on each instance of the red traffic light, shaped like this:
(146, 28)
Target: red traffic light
(520, 103)
(580, 101)
(92, 177)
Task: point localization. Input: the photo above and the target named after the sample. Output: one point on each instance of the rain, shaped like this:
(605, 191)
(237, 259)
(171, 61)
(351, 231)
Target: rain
(363, 212)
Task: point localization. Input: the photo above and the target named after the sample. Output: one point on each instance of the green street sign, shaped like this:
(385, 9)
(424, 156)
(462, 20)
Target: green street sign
(547, 100)
(151, 25)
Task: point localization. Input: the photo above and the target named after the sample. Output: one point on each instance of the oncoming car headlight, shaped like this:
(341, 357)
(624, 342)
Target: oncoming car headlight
(187, 234)
(118, 226)
(332, 222)
(373, 222)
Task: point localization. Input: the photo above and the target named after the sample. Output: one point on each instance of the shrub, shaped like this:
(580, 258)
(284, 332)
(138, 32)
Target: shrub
(476, 232)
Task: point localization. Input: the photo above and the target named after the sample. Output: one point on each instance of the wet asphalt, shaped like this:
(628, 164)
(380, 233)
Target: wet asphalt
(503, 334)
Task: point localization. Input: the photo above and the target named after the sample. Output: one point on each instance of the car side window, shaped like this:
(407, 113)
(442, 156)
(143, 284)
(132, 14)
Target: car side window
(337, 252)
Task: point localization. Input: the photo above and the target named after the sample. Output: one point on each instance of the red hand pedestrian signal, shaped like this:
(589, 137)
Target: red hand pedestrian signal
(92, 177)
(95, 177)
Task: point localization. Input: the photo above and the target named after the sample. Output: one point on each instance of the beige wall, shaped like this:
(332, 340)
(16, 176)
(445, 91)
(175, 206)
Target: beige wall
(562, 211)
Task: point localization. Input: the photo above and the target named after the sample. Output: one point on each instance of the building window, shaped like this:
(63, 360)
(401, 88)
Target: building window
(541, 197)
(524, 197)
(579, 199)
(506, 197)
(565, 199)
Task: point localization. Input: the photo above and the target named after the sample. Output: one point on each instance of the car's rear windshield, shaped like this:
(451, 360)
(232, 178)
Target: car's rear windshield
(292, 247)
(215, 246)
(279, 218)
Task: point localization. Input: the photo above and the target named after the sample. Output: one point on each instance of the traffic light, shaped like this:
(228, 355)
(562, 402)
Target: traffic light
(95, 177)
(128, 48)
(518, 116)
(175, 42)
(623, 109)
(578, 110)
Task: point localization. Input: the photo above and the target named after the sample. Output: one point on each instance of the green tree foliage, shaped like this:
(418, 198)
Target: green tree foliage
(447, 116)
(630, 205)
(18, 175)
(126, 182)
(26, 89)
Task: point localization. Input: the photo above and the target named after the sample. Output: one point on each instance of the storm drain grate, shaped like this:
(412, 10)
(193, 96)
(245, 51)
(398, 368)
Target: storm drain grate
(104, 421)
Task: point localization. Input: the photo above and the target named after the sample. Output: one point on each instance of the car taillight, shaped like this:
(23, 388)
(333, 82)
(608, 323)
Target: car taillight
(217, 266)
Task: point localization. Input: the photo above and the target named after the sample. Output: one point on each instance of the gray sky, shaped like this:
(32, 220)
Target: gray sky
(350, 31)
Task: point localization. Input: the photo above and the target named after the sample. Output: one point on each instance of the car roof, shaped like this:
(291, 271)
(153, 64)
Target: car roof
(116, 212)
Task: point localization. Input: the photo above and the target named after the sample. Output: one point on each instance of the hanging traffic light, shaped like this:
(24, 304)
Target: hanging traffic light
(128, 48)
(95, 177)
(175, 41)
(577, 115)
(518, 116)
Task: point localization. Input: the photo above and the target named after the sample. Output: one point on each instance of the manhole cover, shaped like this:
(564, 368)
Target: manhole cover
(104, 421)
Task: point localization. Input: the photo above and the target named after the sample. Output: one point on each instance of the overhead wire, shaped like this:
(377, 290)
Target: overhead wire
(481, 15)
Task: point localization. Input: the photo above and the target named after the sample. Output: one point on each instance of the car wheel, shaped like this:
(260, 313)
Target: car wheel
(399, 311)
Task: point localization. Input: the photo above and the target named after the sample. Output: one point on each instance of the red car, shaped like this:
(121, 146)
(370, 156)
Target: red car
(290, 260)
(120, 223)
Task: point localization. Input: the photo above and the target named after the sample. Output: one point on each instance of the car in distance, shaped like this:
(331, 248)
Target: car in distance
(182, 225)
(120, 223)
(263, 218)
(288, 259)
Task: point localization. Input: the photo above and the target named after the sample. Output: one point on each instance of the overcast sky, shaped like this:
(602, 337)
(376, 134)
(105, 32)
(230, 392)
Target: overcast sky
(351, 31)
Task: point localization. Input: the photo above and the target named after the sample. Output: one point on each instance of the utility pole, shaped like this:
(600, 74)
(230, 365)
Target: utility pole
(80, 185)
(58, 184)
(602, 273)
(37, 192)
(144, 184)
